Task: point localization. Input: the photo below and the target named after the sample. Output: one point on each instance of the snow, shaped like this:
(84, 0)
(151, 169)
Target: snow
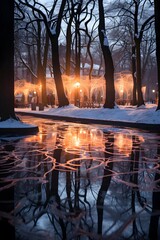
(144, 114)
(53, 30)
(105, 42)
(88, 66)
(12, 123)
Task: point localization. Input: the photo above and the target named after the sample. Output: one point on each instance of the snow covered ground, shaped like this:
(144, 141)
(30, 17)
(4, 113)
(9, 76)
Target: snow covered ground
(145, 114)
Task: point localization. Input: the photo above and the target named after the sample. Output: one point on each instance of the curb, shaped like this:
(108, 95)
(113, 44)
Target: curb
(143, 126)
(18, 131)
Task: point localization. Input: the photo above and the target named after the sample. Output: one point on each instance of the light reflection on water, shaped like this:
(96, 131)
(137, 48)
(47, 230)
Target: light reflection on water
(74, 181)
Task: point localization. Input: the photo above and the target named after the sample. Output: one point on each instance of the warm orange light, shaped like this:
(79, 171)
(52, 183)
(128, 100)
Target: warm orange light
(124, 86)
(83, 86)
(123, 143)
(82, 138)
(77, 84)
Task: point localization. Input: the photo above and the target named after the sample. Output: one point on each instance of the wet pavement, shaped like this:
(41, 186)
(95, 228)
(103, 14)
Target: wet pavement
(80, 181)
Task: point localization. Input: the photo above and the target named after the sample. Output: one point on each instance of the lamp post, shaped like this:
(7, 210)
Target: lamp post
(154, 95)
(81, 101)
(40, 93)
(77, 98)
(41, 107)
(122, 96)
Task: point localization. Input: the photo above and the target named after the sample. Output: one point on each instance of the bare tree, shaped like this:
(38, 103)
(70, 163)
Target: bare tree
(7, 60)
(35, 43)
(138, 35)
(138, 22)
(157, 25)
(52, 22)
(132, 33)
(108, 61)
(69, 39)
(42, 64)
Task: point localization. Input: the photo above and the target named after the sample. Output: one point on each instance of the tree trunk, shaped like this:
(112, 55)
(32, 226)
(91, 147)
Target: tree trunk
(68, 49)
(41, 67)
(109, 68)
(68, 44)
(157, 30)
(138, 74)
(77, 41)
(7, 60)
(54, 34)
(134, 100)
(44, 89)
(62, 99)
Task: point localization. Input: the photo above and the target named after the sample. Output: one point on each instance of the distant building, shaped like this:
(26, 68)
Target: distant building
(96, 71)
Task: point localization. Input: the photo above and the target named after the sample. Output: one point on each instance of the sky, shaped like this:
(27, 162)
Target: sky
(143, 114)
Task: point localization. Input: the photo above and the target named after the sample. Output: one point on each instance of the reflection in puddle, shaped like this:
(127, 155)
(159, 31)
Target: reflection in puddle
(74, 181)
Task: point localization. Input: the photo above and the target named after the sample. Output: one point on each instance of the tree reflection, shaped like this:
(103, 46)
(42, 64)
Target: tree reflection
(153, 227)
(80, 182)
(6, 193)
(134, 168)
(106, 179)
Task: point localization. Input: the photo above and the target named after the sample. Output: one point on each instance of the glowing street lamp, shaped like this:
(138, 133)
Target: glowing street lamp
(122, 93)
(154, 95)
(40, 93)
(81, 97)
(77, 84)
(77, 100)
(41, 106)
